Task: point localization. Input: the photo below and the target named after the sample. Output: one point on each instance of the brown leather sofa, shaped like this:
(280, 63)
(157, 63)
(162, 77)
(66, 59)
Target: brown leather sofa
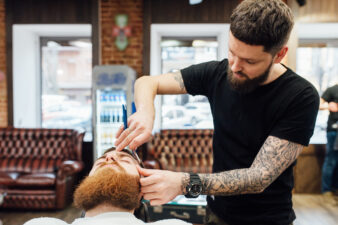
(181, 150)
(38, 167)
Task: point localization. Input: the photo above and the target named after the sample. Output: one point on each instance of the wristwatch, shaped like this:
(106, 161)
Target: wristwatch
(194, 188)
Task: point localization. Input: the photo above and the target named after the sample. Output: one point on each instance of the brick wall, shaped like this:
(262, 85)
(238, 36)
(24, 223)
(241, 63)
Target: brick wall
(3, 86)
(132, 55)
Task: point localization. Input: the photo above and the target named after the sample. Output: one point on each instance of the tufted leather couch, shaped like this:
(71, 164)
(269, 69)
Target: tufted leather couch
(37, 166)
(181, 150)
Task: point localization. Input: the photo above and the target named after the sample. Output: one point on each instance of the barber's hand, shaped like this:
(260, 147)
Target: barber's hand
(333, 107)
(160, 186)
(138, 132)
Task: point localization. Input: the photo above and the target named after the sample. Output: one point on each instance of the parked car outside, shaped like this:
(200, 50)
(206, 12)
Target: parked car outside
(204, 124)
(198, 111)
(175, 117)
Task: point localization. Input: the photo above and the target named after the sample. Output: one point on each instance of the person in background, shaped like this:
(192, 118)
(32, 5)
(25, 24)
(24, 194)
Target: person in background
(329, 101)
(109, 195)
(263, 114)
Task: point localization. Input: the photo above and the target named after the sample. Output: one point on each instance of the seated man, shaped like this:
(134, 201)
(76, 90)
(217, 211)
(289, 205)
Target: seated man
(109, 194)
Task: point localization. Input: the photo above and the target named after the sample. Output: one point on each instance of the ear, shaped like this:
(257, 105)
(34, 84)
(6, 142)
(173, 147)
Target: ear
(280, 55)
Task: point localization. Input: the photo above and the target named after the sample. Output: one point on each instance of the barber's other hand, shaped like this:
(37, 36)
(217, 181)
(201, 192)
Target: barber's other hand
(333, 107)
(160, 186)
(138, 132)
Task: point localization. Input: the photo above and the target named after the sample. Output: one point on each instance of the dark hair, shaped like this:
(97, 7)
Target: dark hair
(262, 22)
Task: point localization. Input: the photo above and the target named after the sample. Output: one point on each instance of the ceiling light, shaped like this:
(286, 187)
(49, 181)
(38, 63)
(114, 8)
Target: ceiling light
(195, 2)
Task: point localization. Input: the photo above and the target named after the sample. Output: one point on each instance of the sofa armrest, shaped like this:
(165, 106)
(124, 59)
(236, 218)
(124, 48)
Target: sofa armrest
(152, 164)
(69, 167)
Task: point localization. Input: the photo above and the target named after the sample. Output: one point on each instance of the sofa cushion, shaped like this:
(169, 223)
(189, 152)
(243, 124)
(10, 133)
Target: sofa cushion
(36, 179)
(8, 179)
(27, 180)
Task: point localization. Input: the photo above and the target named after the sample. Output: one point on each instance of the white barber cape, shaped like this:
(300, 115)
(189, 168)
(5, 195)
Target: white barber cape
(110, 218)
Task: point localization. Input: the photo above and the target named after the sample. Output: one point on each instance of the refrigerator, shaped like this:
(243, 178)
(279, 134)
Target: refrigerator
(113, 86)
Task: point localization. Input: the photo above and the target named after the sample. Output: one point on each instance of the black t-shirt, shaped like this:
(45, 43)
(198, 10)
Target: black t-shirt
(285, 108)
(331, 95)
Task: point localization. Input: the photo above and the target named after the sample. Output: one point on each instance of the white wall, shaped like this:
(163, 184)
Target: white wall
(26, 67)
(317, 30)
(25, 78)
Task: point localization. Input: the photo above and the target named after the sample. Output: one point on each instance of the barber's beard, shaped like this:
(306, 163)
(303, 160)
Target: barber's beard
(110, 186)
(247, 85)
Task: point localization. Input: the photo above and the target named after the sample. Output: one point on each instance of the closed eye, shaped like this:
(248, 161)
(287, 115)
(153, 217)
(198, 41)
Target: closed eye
(250, 62)
(99, 162)
(125, 158)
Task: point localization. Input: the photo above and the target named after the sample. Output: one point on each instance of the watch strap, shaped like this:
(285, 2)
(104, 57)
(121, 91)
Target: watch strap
(194, 180)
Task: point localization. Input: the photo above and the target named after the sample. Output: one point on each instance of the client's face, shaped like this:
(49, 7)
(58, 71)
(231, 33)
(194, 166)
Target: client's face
(116, 160)
(113, 180)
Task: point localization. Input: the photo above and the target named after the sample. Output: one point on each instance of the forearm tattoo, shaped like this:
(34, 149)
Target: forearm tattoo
(273, 158)
(184, 182)
(179, 79)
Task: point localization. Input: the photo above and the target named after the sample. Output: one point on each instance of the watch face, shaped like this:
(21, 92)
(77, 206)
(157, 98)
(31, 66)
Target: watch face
(196, 189)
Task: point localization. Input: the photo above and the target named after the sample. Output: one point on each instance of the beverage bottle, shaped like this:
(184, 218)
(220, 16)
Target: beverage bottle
(103, 137)
(111, 97)
(113, 116)
(116, 100)
(101, 117)
(108, 115)
(101, 97)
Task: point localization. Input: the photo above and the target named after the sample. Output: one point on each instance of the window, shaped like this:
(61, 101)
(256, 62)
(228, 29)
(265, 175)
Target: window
(191, 111)
(66, 74)
(180, 113)
(170, 115)
(316, 62)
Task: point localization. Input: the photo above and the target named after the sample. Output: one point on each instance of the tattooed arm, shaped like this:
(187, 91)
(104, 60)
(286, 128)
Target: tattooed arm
(161, 186)
(275, 156)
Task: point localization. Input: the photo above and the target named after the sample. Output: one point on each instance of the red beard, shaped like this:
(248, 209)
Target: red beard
(110, 186)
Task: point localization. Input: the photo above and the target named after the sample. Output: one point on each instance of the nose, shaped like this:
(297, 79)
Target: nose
(235, 66)
(111, 158)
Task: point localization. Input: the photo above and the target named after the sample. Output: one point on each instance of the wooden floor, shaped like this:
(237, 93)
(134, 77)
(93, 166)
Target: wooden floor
(19, 218)
(315, 210)
(310, 210)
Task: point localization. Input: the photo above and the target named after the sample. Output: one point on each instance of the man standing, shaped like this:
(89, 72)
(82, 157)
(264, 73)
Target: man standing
(263, 115)
(329, 101)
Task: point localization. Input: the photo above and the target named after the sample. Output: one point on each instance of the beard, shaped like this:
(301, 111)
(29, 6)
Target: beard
(247, 85)
(110, 186)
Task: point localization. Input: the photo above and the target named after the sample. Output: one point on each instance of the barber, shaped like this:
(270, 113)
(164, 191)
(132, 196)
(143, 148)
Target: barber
(263, 115)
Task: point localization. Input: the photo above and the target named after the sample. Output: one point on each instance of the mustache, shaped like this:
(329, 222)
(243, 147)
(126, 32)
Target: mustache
(241, 73)
(108, 163)
(104, 164)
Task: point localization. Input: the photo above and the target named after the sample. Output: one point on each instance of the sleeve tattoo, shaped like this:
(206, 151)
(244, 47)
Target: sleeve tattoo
(179, 79)
(273, 158)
